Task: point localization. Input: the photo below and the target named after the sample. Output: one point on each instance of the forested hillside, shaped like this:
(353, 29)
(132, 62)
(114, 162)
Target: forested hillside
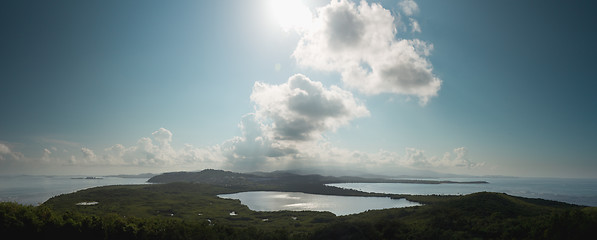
(481, 215)
(189, 208)
(227, 178)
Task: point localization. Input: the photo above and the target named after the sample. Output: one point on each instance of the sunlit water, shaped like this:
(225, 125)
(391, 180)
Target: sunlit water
(294, 201)
(575, 191)
(34, 190)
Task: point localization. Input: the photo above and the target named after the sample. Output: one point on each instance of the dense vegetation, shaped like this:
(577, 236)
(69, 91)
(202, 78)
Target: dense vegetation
(193, 211)
(223, 178)
(475, 216)
(43, 223)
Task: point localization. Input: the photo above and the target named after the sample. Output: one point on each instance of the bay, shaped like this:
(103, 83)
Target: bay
(34, 190)
(574, 191)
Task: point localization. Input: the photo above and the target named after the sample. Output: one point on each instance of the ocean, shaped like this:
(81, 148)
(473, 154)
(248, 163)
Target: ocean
(34, 190)
(574, 191)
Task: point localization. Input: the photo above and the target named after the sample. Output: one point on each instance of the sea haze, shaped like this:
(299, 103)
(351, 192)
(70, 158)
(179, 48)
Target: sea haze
(575, 191)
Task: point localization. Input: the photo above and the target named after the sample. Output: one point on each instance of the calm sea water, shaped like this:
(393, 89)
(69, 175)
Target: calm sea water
(575, 191)
(34, 190)
(293, 201)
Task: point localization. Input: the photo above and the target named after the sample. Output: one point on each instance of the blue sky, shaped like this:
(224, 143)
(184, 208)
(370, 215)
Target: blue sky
(393, 87)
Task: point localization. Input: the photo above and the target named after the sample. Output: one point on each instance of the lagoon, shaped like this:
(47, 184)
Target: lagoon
(296, 201)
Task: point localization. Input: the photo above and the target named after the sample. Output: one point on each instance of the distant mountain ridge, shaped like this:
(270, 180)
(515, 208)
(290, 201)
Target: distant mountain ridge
(210, 176)
(141, 175)
(227, 178)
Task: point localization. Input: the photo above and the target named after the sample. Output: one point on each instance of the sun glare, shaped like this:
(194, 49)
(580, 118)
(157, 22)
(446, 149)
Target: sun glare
(290, 14)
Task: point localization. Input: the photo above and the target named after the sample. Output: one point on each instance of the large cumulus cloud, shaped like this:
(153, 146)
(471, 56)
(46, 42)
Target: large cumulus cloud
(359, 41)
(302, 109)
(289, 122)
(253, 150)
(287, 128)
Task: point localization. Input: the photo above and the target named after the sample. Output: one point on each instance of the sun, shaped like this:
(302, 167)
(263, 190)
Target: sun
(290, 14)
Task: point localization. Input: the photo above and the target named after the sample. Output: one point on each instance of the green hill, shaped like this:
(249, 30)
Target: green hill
(227, 178)
(475, 216)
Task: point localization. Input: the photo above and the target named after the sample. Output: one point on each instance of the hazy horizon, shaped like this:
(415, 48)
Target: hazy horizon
(380, 87)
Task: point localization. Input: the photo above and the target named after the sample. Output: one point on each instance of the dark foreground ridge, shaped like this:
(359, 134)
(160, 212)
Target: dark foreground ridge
(192, 210)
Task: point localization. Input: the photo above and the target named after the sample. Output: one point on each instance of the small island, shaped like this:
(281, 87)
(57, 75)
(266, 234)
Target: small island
(88, 178)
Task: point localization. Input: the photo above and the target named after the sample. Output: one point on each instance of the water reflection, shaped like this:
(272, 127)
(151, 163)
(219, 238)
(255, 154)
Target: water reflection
(295, 201)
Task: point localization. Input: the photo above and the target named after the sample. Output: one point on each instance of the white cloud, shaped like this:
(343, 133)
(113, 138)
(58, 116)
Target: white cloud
(154, 152)
(301, 109)
(414, 157)
(289, 119)
(286, 131)
(383, 161)
(145, 152)
(4, 150)
(414, 26)
(460, 159)
(200, 157)
(7, 154)
(114, 155)
(162, 136)
(359, 42)
(159, 152)
(88, 155)
(254, 150)
(55, 157)
(408, 7)
(46, 157)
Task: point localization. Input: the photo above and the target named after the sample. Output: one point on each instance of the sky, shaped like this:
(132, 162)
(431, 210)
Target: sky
(386, 87)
